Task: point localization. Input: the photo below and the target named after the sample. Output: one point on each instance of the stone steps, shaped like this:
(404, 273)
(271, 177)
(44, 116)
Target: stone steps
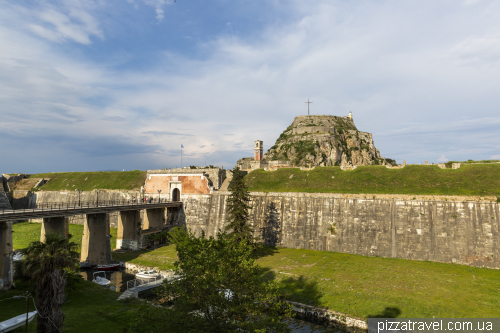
(126, 294)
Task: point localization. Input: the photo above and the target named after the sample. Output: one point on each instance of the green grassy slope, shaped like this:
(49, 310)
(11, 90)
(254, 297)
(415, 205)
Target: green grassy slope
(89, 308)
(163, 257)
(479, 179)
(87, 181)
(27, 232)
(367, 286)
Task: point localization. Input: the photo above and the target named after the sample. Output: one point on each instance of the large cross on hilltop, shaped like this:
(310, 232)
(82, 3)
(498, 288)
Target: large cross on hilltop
(308, 105)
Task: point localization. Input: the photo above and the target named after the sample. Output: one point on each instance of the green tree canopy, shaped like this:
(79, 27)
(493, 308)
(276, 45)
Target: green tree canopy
(47, 265)
(237, 209)
(220, 289)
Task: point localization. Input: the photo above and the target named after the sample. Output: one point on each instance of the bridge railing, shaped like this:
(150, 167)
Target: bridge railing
(87, 204)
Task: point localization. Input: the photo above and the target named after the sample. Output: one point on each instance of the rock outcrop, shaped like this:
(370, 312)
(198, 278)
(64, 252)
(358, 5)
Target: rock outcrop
(325, 141)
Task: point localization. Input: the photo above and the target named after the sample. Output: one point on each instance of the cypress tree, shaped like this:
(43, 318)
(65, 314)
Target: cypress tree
(237, 209)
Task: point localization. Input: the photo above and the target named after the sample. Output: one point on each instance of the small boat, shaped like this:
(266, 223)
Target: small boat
(16, 322)
(109, 267)
(147, 274)
(85, 264)
(18, 256)
(102, 281)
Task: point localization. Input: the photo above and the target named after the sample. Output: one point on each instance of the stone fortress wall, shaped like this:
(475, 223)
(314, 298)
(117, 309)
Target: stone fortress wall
(464, 230)
(452, 231)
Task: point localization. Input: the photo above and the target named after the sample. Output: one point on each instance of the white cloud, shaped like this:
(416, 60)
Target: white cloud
(481, 50)
(158, 5)
(396, 74)
(443, 159)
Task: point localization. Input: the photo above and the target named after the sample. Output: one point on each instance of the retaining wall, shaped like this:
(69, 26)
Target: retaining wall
(464, 232)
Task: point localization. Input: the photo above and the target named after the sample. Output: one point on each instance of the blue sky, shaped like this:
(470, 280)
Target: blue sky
(112, 85)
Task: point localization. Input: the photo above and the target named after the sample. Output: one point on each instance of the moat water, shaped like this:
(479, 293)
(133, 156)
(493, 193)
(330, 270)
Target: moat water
(120, 277)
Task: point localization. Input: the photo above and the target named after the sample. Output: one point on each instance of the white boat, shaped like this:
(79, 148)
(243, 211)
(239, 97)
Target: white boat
(16, 322)
(18, 256)
(102, 281)
(147, 274)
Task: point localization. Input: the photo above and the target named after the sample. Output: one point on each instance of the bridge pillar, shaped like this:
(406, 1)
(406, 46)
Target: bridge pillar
(129, 230)
(6, 262)
(153, 218)
(54, 225)
(96, 247)
(176, 216)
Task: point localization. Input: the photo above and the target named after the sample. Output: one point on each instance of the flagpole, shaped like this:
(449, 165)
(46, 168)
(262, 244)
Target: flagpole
(181, 156)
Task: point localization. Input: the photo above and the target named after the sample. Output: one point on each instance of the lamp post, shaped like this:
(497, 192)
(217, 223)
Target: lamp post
(79, 192)
(27, 296)
(159, 191)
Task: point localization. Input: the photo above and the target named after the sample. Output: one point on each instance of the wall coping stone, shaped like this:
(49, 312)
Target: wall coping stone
(368, 196)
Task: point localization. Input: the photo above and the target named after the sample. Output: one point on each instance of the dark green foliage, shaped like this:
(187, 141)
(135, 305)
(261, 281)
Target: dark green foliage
(498, 199)
(365, 147)
(47, 265)
(390, 161)
(237, 209)
(220, 290)
(302, 148)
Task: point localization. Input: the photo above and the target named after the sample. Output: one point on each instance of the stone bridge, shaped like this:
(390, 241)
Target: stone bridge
(96, 245)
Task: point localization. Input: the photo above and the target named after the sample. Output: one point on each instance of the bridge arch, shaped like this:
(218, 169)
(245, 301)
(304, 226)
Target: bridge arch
(176, 194)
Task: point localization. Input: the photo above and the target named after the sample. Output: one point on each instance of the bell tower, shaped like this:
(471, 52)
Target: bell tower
(259, 148)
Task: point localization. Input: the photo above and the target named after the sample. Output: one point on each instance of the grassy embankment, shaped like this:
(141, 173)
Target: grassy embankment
(163, 258)
(27, 232)
(90, 308)
(87, 181)
(369, 286)
(353, 284)
(471, 179)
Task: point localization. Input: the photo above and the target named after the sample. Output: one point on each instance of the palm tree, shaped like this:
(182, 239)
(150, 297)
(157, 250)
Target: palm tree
(46, 264)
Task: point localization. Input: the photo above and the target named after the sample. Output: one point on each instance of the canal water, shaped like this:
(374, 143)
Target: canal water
(120, 277)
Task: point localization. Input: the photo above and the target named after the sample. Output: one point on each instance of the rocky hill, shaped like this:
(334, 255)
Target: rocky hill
(325, 141)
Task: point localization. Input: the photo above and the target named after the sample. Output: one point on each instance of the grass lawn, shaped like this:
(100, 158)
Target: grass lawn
(369, 286)
(471, 179)
(26, 232)
(87, 181)
(163, 257)
(90, 308)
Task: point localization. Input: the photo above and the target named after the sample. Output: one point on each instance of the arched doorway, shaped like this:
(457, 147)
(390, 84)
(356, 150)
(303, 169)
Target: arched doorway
(176, 194)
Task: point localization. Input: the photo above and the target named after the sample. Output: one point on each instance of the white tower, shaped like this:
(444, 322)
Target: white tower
(350, 115)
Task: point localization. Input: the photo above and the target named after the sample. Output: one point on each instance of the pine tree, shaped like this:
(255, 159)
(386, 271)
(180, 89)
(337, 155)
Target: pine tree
(237, 209)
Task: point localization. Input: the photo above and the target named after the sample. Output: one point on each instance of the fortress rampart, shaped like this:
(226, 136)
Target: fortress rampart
(463, 232)
(453, 229)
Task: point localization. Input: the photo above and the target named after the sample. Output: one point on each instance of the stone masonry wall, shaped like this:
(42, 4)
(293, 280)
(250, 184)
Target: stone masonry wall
(453, 231)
